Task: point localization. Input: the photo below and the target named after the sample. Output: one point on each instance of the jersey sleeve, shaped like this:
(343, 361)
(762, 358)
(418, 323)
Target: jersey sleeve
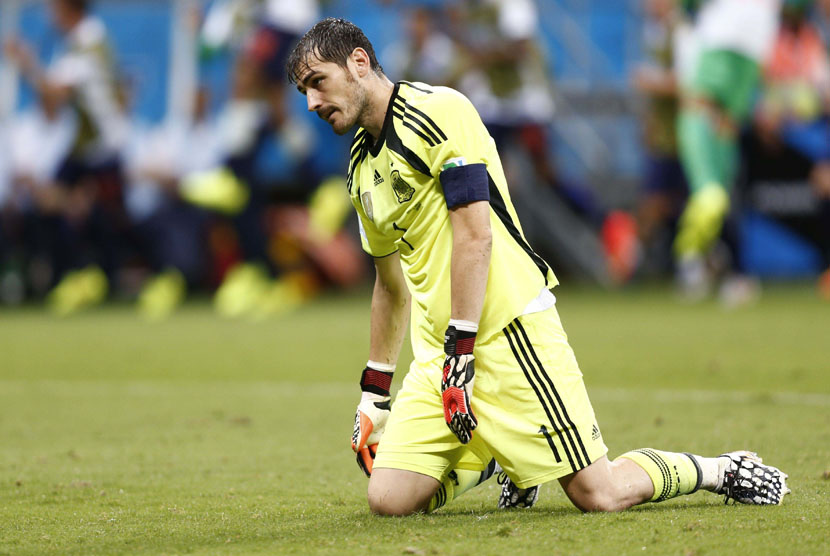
(460, 160)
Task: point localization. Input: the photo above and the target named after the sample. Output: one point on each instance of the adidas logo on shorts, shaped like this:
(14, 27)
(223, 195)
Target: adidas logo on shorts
(595, 434)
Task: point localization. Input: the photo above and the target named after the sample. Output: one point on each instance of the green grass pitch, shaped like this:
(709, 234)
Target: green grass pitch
(206, 436)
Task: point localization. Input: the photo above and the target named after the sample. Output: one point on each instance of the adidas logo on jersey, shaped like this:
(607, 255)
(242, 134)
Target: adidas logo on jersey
(378, 178)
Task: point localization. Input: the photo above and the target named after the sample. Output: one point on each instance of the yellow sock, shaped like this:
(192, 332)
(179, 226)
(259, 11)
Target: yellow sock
(456, 483)
(672, 473)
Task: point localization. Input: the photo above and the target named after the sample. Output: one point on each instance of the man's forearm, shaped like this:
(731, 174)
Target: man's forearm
(471, 249)
(470, 266)
(390, 314)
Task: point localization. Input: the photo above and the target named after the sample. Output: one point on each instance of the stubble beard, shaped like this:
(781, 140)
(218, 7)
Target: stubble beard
(358, 101)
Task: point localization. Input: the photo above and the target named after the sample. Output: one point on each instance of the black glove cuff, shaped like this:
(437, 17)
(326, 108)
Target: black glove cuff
(459, 342)
(377, 382)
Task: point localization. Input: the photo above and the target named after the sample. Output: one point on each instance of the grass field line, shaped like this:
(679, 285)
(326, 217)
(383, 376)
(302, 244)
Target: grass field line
(279, 389)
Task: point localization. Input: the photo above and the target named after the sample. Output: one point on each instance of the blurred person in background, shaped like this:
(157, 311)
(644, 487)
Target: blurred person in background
(732, 39)
(427, 53)
(170, 233)
(89, 202)
(507, 78)
(271, 160)
(820, 15)
(796, 94)
(33, 203)
(11, 284)
(664, 188)
(794, 112)
(259, 33)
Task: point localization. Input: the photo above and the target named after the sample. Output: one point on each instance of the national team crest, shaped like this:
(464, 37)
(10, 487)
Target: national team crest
(402, 190)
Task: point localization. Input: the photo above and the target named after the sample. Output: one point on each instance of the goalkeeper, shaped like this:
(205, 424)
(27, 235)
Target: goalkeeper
(493, 377)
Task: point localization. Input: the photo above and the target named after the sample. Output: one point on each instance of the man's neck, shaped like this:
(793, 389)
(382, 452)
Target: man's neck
(379, 94)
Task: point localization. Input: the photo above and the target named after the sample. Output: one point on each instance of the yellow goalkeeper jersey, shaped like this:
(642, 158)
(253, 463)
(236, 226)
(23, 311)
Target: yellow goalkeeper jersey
(433, 139)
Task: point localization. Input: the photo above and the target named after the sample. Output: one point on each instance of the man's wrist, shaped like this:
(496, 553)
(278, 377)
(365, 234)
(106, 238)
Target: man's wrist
(460, 337)
(376, 378)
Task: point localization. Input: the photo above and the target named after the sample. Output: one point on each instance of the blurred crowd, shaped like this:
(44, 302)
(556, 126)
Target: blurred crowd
(244, 202)
(96, 203)
(758, 119)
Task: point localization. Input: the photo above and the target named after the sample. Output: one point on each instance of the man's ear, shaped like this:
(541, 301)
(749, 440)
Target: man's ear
(360, 59)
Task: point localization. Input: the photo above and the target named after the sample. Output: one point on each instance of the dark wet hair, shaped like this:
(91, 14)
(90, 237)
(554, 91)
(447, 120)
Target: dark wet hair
(330, 40)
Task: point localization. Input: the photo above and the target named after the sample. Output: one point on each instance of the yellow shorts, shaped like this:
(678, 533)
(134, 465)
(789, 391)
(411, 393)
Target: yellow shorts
(533, 412)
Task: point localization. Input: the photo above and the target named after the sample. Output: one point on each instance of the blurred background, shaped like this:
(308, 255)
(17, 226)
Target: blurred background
(152, 150)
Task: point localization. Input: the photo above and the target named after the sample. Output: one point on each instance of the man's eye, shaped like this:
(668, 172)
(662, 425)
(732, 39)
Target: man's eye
(317, 80)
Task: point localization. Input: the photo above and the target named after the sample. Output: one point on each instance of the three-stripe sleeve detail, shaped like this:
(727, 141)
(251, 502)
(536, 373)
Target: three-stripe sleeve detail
(428, 120)
(418, 122)
(407, 83)
(357, 153)
(402, 111)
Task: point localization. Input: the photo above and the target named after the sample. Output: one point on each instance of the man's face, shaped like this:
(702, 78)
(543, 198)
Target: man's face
(62, 15)
(334, 93)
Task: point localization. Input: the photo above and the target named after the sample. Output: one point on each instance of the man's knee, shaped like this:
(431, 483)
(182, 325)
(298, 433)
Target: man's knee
(390, 503)
(606, 486)
(393, 492)
(595, 501)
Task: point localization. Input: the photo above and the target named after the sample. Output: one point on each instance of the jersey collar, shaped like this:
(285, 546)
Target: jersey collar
(387, 121)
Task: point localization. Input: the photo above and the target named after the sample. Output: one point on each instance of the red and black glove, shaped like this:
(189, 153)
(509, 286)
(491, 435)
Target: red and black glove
(457, 382)
(372, 413)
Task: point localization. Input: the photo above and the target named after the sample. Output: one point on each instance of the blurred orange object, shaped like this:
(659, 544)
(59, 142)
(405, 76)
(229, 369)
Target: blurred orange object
(824, 285)
(619, 241)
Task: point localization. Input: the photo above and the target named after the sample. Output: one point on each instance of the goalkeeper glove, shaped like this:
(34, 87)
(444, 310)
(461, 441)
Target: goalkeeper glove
(457, 380)
(372, 413)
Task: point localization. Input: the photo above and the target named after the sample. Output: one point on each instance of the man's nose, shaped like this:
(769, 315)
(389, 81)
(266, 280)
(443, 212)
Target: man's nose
(313, 100)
